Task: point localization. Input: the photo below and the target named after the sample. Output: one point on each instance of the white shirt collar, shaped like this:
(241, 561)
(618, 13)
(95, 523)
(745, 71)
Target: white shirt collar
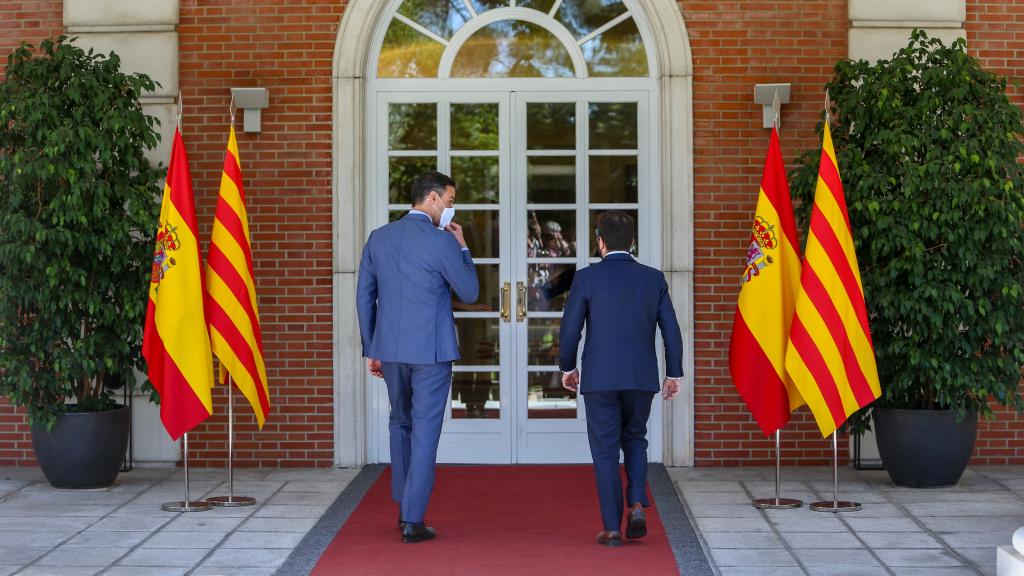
(626, 252)
(415, 211)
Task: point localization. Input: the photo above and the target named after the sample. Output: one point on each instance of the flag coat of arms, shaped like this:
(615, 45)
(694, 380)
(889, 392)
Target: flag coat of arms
(231, 291)
(176, 343)
(764, 309)
(830, 355)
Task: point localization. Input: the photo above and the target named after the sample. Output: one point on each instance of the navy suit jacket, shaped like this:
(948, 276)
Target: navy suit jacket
(621, 302)
(407, 274)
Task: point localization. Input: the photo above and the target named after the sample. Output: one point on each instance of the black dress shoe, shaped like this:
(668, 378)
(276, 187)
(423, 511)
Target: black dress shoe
(636, 527)
(609, 538)
(417, 532)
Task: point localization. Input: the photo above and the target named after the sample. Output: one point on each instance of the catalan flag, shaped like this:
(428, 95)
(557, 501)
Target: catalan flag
(231, 291)
(176, 344)
(830, 354)
(767, 297)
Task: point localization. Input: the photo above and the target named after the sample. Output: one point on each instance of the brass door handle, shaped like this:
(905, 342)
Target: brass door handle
(520, 301)
(506, 302)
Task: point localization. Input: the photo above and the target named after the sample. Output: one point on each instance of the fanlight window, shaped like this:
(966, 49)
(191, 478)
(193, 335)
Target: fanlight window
(512, 38)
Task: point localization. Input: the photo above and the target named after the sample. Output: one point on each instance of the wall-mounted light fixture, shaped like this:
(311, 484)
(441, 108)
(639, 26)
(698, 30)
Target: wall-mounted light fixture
(766, 95)
(251, 100)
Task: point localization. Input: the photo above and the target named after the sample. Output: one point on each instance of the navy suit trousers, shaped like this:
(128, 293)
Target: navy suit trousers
(617, 420)
(418, 394)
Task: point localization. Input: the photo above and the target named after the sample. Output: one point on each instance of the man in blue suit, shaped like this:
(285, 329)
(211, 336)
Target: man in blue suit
(622, 303)
(407, 274)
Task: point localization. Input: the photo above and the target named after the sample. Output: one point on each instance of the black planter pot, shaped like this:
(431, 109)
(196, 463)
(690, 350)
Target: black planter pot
(924, 448)
(84, 449)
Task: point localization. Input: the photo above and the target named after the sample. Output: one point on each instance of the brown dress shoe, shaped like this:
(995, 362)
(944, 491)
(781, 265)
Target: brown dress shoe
(609, 538)
(636, 524)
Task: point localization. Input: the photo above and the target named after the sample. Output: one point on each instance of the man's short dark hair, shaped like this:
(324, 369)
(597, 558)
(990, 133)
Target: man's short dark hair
(429, 182)
(617, 229)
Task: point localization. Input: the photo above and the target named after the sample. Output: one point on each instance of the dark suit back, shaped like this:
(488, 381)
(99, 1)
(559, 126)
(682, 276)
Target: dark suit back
(622, 303)
(407, 274)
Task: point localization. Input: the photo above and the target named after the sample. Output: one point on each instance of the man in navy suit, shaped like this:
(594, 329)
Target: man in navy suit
(622, 303)
(407, 274)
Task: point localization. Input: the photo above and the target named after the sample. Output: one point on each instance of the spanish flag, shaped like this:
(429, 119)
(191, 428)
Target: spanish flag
(767, 297)
(176, 344)
(231, 291)
(830, 354)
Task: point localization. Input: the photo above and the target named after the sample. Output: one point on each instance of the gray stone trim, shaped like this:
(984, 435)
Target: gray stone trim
(691, 557)
(304, 557)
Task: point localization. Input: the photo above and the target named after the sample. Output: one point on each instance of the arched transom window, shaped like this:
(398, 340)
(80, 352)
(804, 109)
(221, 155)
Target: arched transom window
(512, 38)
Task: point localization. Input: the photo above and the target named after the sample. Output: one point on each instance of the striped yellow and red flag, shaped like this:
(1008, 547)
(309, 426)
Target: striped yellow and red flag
(757, 349)
(231, 291)
(176, 344)
(830, 355)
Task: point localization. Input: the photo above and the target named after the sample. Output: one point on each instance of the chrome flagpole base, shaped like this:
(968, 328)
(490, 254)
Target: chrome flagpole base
(231, 501)
(776, 503)
(190, 506)
(835, 506)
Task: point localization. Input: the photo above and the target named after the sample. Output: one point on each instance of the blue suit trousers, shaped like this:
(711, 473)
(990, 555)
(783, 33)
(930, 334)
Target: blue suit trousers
(418, 394)
(617, 420)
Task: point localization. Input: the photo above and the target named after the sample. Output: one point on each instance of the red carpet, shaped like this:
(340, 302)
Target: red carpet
(496, 520)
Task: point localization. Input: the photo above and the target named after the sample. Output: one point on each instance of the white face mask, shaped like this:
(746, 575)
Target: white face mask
(447, 215)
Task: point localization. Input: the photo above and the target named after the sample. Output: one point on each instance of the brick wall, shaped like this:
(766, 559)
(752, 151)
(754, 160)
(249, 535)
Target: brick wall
(30, 22)
(995, 35)
(736, 45)
(288, 48)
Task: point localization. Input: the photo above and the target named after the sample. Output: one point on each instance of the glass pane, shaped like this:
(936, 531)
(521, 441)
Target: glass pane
(593, 224)
(547, 399)
(401, 172)
(551, 179)
(551, 126)
(476, 395)
(542, 5)
(551, 234)
(442, 17)
(478, 341)
(582, 17)
(613, 179)
(406, 53)
(548, 286)
(477, 179)
(542, 341)
(613, 126)
(618, 51)
(490, 291)
(513, 48)
(481, 231)
(484, 5)
(412, 126)
(474, 126)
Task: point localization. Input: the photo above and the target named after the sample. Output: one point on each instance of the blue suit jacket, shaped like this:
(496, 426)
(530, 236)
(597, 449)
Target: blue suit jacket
(621, 302)
(404, 300)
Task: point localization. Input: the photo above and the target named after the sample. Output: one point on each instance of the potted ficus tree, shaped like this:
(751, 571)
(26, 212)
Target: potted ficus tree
(77, 214)
(929, 148)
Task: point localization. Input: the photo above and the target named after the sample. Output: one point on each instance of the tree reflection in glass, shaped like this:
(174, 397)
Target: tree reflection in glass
(512, 48)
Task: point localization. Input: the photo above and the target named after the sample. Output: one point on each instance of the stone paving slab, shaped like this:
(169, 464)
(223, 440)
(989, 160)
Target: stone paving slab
(899, 532)
(121, 531)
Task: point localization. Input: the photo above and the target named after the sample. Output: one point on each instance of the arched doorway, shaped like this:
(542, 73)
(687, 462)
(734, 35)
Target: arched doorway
(547, 112)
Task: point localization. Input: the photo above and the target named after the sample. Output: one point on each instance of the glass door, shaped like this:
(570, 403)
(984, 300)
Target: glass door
(573, 158)
(534, 171)
(466, 136)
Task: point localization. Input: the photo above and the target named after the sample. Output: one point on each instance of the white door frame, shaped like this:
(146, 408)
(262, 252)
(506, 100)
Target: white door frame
(661, 24)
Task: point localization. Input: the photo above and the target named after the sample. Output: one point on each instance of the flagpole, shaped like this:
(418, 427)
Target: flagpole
(777, 502)
(231, 501)
(186, 505)
(835, 505)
